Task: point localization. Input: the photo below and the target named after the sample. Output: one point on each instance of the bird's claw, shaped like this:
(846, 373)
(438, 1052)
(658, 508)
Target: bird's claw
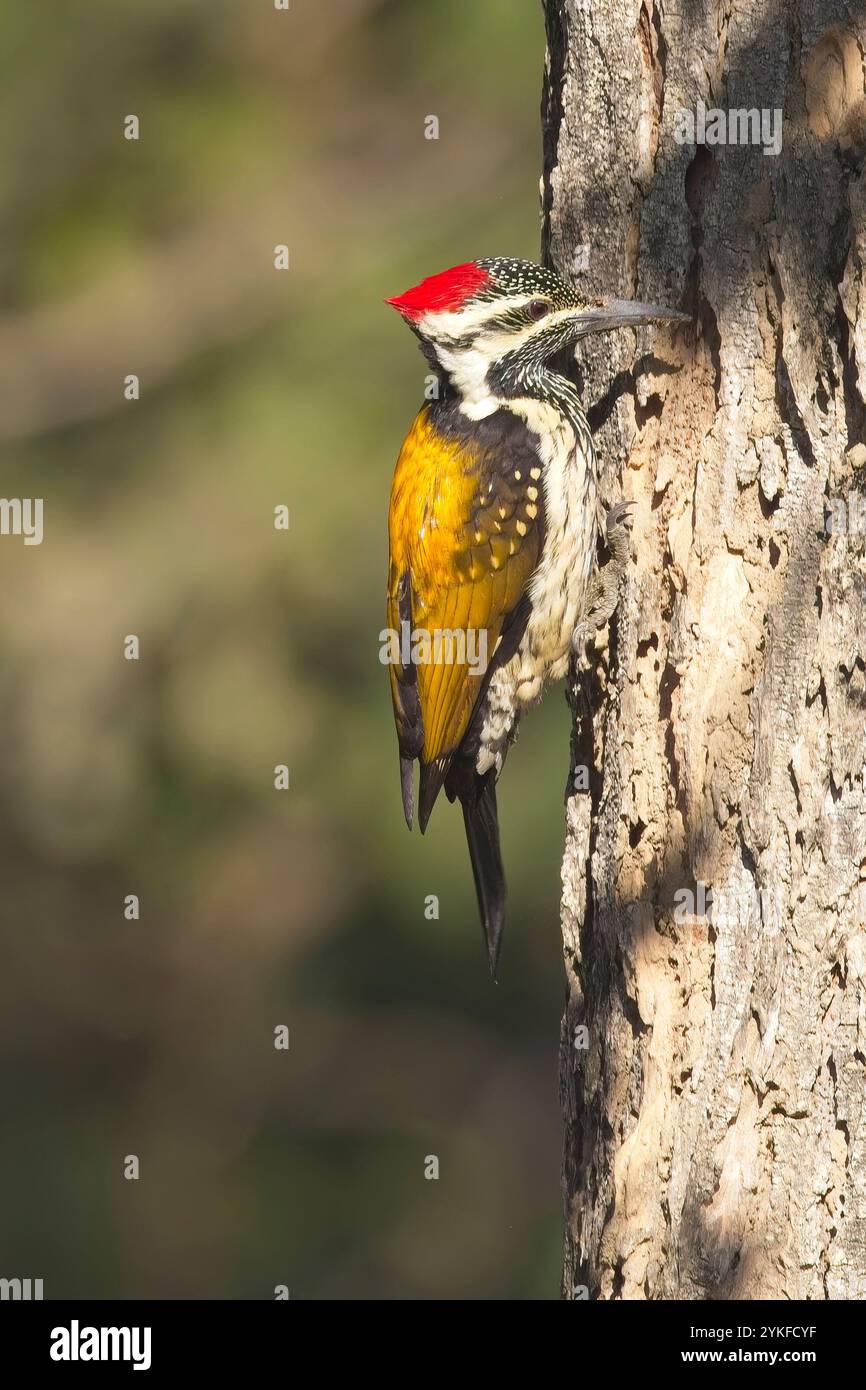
(603, 591)
(620, 514)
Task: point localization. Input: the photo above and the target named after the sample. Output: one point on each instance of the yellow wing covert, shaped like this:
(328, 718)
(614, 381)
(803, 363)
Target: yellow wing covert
(465, 528)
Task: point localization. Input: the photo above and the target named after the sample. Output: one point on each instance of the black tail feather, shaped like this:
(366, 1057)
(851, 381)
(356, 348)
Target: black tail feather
(482, 835)
(429, 784)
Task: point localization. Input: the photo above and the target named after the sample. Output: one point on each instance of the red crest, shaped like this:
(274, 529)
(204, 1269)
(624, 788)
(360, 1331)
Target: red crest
(447, 290)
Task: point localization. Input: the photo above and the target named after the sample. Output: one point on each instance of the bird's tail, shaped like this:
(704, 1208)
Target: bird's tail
(482, 835)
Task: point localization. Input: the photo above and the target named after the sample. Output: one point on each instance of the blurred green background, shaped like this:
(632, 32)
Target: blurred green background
(258, 647)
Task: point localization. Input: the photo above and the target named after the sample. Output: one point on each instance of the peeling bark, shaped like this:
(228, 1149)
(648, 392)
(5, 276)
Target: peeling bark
(715, 1132)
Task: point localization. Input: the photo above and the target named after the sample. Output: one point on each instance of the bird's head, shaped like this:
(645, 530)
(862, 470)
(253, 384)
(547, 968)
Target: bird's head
(490, 325)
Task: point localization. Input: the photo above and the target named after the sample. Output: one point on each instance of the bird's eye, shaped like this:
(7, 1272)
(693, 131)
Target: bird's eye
(537, 308)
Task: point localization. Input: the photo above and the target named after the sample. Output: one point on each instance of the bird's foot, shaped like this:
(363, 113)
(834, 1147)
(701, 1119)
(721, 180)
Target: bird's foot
(603, 591)
(617, 526)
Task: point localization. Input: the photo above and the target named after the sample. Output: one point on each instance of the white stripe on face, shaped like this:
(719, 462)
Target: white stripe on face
(468, 367)
(458, 323)
(471, 321)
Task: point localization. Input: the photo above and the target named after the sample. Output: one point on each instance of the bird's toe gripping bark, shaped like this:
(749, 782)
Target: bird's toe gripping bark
(603, 592)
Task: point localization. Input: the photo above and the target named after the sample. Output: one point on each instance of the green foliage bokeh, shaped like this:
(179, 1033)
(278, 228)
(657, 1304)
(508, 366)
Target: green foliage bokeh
(258, 647)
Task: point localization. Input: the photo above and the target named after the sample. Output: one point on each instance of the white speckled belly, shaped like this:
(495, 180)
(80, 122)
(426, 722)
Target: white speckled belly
(558, 586)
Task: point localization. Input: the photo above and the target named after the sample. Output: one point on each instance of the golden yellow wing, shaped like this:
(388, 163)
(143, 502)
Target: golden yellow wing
(465, 528)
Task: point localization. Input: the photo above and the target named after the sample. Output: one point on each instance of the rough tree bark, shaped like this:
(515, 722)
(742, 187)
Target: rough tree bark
(715, 1138)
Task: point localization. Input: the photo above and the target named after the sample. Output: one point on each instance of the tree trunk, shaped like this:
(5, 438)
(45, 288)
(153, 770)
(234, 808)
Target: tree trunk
(714, 1044)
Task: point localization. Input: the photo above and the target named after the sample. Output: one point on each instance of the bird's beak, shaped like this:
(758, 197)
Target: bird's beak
(606, 314)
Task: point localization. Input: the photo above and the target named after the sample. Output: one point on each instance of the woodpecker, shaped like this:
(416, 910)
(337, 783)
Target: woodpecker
(494, 524)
